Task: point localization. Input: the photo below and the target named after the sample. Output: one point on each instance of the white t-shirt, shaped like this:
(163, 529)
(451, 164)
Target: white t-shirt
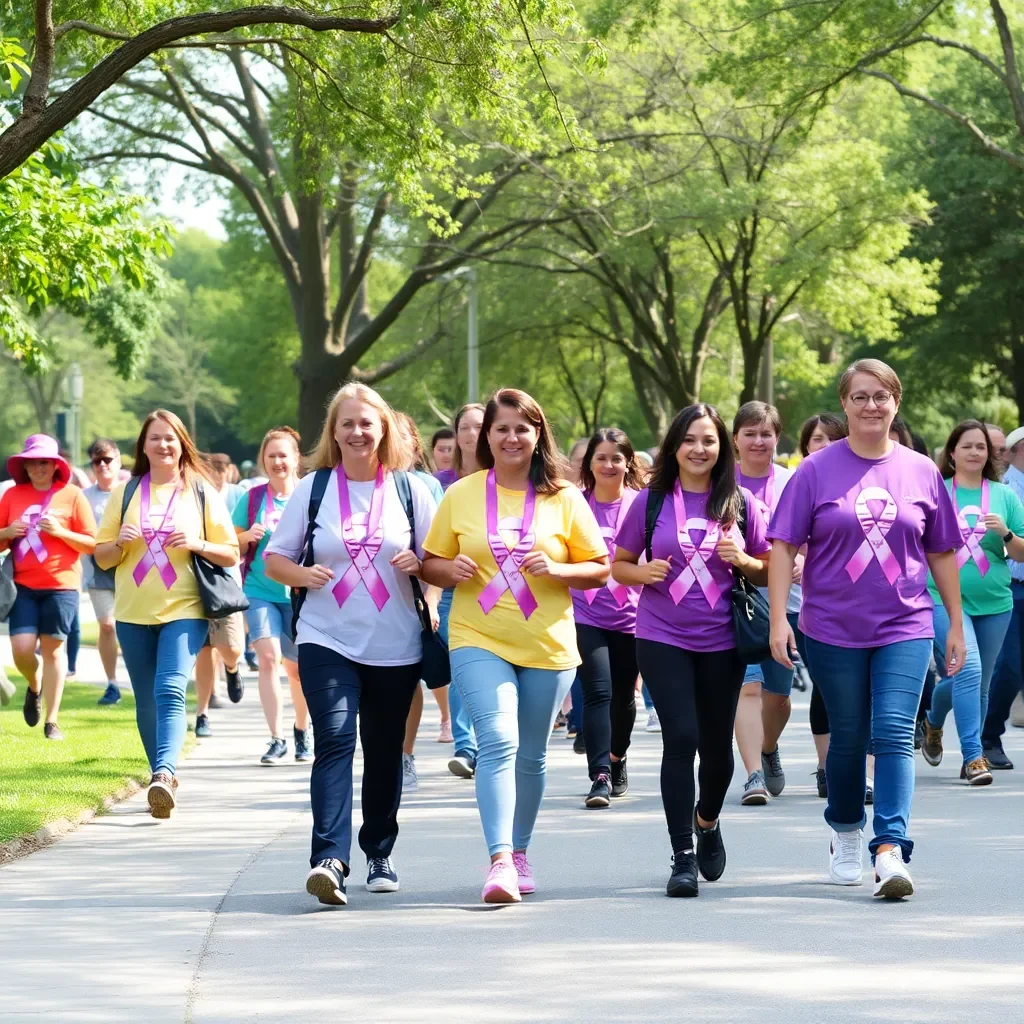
(358, 630)
(95, 578)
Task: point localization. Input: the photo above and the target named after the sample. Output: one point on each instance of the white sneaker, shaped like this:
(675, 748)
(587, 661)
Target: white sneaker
(410, 780)
(653, 725)
(846, 859)
(892, 879)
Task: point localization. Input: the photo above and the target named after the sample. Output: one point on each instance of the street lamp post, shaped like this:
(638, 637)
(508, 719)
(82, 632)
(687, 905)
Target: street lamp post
(76, 392)
(472, 347)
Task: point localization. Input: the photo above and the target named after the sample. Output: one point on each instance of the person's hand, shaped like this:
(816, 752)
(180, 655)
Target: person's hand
(407, 562)
(51, 525)
(254, 534)
(783, 644)
(464, 568)
(127, 534)
(317, 577)
(17, 529)
(956, 651)
(536, 563)
(180, 539)
(657, 570)
(730, 551)
(798, 568)
(996, 524)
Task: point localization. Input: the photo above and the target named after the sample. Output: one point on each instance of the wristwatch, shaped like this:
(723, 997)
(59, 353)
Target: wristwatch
(1008, 536)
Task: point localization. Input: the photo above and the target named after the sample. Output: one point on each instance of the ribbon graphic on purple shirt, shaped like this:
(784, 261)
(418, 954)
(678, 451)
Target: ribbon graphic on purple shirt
(155, 539)
(362, 549)
(617, 590)
(509, 560)
(33, 541)
(875, 530)
(696, 569)
(971, 547)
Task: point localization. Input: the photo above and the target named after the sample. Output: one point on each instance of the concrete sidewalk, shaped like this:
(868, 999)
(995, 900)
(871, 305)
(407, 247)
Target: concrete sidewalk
(204, 919)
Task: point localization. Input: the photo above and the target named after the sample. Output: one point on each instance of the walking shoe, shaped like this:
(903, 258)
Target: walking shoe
(931, 745)
(410, 780)
(277, 751)
(821, 782)
(502, 885)
(579, 744)
(976, 773)
(52, 732)
(918, 733)
(463, 764)
(774, 776)
(710, 849)
(683, 880)
(303, 751)
(250, 660)
(997, 759)
(161, 796)
(755, 793)
(30, 709)
(111, 695)
(7, 689)
(381, 875)
(846, 857)
(600, 792)
(869, 792)
(445, 735)
(524, 872)
(892, 879)
(236, 684)
(620, 779)
(203, 726)
(327, 882)
(571, 729)
(653, 723)
(560, 722)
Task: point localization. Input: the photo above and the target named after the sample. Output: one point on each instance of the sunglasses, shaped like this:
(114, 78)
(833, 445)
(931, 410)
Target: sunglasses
(105, 459)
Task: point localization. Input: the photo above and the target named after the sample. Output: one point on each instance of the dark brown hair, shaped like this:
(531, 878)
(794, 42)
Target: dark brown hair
(832, 425)
(947, 467)
(902, 431)
(611, 435)
(190, 463)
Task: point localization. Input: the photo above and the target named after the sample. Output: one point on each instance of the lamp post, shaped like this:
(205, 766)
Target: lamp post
(76, 391)
(472, 349)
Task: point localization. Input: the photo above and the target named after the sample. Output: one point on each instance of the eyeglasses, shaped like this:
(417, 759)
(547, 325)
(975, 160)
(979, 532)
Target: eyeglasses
(105, 459)
(879, 398)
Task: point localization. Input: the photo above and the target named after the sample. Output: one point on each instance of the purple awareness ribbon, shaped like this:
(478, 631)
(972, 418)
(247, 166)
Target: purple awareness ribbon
(617, 590)
(362, 542)
(971, 547)
(875, 530)
(155, 555)
(509, 575)
(33, 541)
(696, 568)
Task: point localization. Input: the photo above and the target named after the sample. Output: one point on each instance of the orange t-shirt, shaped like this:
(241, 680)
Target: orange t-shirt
(61, 569)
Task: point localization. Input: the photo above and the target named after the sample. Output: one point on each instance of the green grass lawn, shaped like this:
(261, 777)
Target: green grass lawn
(43, 781)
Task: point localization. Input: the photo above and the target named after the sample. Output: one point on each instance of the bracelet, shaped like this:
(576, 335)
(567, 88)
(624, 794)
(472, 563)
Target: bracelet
(1010, 535)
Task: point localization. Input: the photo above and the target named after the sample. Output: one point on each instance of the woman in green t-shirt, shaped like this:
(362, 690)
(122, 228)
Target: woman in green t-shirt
(991, 521)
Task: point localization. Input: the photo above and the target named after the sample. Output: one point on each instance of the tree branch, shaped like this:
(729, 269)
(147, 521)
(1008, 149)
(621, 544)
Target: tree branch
(387, 369)
(38, 86)
(1012, 79)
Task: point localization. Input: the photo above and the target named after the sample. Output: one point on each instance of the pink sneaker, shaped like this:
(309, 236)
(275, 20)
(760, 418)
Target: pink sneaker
(525, 872)
(445, 735)
(502, 884)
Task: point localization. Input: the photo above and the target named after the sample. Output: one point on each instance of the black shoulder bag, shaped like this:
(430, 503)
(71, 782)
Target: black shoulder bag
(316, 496)
(219, 591)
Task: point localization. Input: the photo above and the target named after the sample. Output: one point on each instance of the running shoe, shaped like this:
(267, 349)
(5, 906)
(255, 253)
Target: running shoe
(846, 857)
(327, 882)
(620, 778)
(161, 796)
(931, 745)
(710, 849)
(892, 879)
(524, 872)
(410, 780)
(600, 792)
(771, 768)
(571, 730)
(7, 689)
(653, 723)
(683, 880)
(997, 759)
(236, 684)
(52, 731)
(381, 875)
(755, 793)
(277, 751)
(502, 885)
(560, 722)
(203, 726)
(463, 764)
(579, 744)
(821, 782)
(869, 793)
(31, 708)
(111, 695)
(976, 772)
(303, 751)
(445, 735)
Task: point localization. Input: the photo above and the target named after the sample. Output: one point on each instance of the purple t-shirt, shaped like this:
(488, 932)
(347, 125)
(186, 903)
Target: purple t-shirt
(605, 611)
(694, 623)
(868, 525)
(446, 477)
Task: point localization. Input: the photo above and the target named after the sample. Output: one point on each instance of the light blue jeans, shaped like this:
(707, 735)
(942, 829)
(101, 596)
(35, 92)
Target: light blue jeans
(967, 692)
(513, 710)
(462, 726)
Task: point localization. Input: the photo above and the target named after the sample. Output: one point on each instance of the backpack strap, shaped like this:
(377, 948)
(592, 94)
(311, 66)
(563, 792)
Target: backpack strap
(655, 501)
(405, 496)
(316, 497)
(129, 492)
(255, 499)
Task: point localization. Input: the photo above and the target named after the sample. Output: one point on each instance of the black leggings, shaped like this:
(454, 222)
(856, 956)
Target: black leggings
(608, 677)
(695, 695)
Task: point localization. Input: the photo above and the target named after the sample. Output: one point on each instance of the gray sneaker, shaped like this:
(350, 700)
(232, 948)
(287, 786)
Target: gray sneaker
(755, 793)
(774, 776)
(410, 780)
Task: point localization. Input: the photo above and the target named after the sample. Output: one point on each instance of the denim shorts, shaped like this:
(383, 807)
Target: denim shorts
(43, 612)
(272, 619)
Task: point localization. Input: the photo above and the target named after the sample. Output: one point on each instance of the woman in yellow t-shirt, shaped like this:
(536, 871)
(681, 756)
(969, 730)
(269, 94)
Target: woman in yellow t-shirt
(161, 625)
(512, 540)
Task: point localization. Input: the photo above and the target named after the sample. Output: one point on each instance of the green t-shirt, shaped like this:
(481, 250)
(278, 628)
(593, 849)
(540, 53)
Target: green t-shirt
(257, 584)
(988, 594)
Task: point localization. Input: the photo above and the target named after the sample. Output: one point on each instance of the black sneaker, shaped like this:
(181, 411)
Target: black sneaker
(684, 875)
(620, 780)
(600, 792)
(277, 751)
(327, 882)
(710, 849)
(997, 759)
(579, 745)
(869, 794)
(381, 875)
(819, 777)
(30, 709)
(52, 731)
(203, 726)
(303, 752)
(236, 684)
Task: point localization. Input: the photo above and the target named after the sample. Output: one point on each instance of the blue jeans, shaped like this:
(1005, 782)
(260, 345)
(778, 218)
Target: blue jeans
(871, 695)
(967, 692)
(513, 710)
(1007, 679)
(576, 711)
(159, 660)
(648, 699)
(462, 724)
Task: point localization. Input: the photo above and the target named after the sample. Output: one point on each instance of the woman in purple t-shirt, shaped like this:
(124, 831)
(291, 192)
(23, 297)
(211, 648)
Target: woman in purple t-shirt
(610, 477)
(875, 517)
(685, 642)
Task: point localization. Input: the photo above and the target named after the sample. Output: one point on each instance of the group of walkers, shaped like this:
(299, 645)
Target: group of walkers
(511, 575)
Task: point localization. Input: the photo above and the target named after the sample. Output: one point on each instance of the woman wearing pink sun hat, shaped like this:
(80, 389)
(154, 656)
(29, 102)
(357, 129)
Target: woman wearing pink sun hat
(48, 526)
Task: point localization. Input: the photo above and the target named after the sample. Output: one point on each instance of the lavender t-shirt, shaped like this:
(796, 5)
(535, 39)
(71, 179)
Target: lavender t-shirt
(605, 612)
(693, 623)
(865, 578)
(446, 477)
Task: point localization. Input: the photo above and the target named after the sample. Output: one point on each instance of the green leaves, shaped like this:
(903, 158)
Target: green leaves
(12, 65)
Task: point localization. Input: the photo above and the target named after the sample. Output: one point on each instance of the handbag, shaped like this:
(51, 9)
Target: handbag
(8, 591)
(220, 593)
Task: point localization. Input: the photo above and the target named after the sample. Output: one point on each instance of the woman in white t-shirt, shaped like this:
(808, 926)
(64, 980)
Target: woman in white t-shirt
(357, 631)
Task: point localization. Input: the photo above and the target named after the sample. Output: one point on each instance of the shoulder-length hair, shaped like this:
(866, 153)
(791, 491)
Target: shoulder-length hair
(392, 452)
(611, 435)
(190, 465)
(947, 466)
(902, 431)
(280, 432)
(724, 498)
(547, 467)
(833, 426)
(457, 454)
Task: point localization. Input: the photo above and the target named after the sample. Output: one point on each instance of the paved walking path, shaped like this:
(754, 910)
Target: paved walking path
(204, 919)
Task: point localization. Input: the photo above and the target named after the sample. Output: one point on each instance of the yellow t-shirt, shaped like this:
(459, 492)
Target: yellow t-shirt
(152, 603)
(566, 531)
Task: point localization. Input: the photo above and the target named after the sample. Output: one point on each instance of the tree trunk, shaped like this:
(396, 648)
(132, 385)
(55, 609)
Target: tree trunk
(766, 386)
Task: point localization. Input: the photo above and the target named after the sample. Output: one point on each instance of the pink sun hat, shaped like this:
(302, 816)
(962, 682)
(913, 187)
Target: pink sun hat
(38, 446)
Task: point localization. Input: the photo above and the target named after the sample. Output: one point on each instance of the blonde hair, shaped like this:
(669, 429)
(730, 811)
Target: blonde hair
(883, 372)
(270, 435)
(393, 451)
